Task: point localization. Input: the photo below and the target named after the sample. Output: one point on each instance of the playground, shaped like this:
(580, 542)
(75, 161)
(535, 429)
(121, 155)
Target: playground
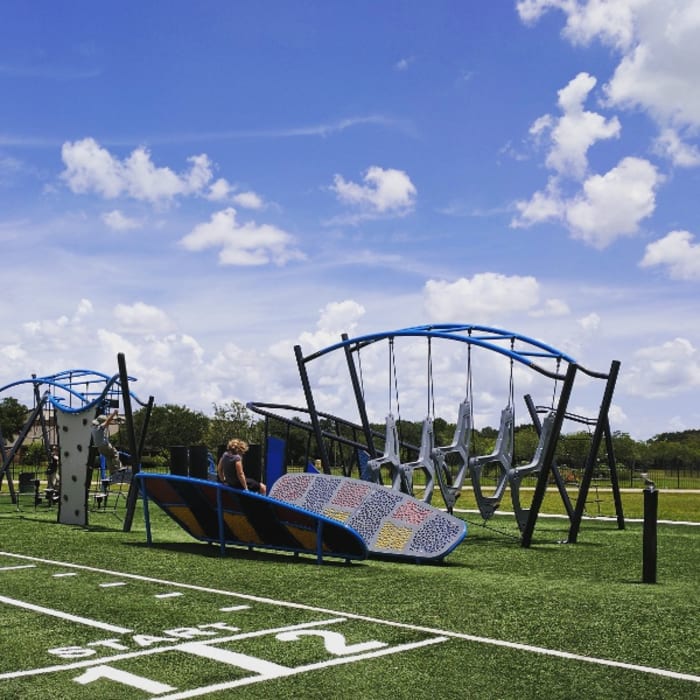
(386, 568)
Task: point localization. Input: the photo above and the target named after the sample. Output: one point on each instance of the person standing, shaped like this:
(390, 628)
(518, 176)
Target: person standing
(52, 470)
(230, 468)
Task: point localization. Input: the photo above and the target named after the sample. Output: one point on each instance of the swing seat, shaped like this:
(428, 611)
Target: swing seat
(516, 475)
(403, 479)
(390, 455)
(459, 446)
(502, 456)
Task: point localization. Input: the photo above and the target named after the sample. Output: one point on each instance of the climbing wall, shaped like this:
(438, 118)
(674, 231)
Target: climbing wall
(74, 431)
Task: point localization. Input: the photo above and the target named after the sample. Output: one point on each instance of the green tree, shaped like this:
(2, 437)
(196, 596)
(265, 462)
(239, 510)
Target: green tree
(13, 416)
(169, 425)
(230, 420)
(627, 451)
(34, 453)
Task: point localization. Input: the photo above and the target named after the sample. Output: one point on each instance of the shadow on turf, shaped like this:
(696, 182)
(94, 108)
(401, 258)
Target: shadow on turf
(212, 551)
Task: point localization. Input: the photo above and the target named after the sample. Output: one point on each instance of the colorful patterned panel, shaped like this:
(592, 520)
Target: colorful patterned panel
(392, 524)
(213, 512)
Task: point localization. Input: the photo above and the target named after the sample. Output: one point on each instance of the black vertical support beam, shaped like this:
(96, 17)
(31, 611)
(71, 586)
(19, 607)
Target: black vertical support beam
(548, 457)
(614, 481)
(144, 427)
(133, 447)
(651, 506)
(18, 443)
(359, 399)
(2, 457)
(593, 452)
(323, 455)
(42, 420)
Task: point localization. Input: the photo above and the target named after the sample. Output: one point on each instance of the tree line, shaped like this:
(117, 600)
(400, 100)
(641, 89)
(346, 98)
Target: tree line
(172, 424)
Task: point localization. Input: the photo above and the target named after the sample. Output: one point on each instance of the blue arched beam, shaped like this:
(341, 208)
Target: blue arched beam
(486, 337)
(68, 380)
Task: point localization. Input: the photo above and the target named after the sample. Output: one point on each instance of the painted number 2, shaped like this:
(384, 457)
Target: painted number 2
(334, 643)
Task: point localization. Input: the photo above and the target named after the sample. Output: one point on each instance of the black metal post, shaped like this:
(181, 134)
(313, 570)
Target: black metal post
(651, 507)
(597, 438)
(313, 415)
(132, 495)
(548, 457)
(359, 398)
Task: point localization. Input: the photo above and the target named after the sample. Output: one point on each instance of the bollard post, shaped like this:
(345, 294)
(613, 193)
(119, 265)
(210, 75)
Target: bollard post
(651, 505)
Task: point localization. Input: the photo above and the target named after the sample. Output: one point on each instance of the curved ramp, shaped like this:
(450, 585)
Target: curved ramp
(392, 524)
(213, 512)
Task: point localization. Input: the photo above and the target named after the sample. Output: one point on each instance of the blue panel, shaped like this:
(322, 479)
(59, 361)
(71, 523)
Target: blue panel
(274, 460)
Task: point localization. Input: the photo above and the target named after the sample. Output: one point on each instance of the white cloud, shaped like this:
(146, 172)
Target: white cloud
(242, 244)
(91, 168)
(663, 370)
(607, 207)
(657, 42)
(612, 22)
(670, 145)
(219, 190)
(335, 318)
(141, 318)
(248, 200)
(119, 222)
(403, 63)
(677, 252)
(577, 129)
(387, 191)
(484, 296)
(589, 323)
(552, 307)
(613, 205)
(544, 205)
(222, 190)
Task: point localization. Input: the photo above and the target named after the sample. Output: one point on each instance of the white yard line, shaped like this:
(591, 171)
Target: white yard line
(543, 651)
(64, 616)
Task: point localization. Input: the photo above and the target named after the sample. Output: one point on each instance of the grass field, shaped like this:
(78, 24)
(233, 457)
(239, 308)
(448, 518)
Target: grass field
(95, 612)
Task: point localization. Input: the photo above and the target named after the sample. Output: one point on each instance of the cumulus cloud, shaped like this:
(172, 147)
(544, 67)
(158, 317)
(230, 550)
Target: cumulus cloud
(576, 130)
(607, 207)
(141, 318)
(658, 49)
(544, 205)
(670, 145)
(550, 308)
(223, 191)
(119, 222)
(664, 370)
(677, 252)
(384, 192)
(248, 200)
(589, 323)
(91, 168)
(336, 318)
(484, 296)
(603, 207)
(614, 204)
(242, 244)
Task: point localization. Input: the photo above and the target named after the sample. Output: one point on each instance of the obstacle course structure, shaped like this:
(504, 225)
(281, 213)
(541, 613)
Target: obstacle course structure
(74, 398)
(215, 513)
(448, 466)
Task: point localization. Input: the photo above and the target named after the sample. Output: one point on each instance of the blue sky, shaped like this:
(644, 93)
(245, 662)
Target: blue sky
(204, 185)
